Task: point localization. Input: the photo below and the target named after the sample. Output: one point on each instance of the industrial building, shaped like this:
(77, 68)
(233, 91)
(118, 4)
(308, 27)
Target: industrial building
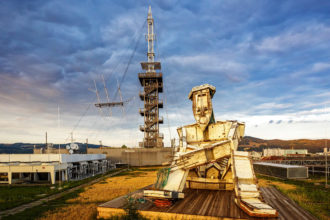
(281, 170)
(283, 152)
(49, 168)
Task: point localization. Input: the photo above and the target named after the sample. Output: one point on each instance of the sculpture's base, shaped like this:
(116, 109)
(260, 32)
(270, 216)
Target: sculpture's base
(206, 204)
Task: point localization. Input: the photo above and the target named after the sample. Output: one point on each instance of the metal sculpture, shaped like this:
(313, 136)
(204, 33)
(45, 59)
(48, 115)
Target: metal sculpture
(207, 158)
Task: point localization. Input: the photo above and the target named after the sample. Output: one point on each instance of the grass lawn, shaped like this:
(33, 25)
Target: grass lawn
(82, 203)
(12, 196)
(309, 194)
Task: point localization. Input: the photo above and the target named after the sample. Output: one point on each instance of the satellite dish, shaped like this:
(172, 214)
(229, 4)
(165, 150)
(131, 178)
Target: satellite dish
(72, 147)
(75, 146)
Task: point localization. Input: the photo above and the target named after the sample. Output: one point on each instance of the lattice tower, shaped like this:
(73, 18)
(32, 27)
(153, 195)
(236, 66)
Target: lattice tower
(152, 83)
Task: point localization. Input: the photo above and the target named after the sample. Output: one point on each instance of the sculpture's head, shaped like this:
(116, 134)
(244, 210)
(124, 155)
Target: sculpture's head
(201, 97)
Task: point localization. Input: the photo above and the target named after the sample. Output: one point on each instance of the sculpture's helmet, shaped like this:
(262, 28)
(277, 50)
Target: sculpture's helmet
(201, 97)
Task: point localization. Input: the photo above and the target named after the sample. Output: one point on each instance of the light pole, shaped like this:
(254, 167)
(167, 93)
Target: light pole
(129, 151)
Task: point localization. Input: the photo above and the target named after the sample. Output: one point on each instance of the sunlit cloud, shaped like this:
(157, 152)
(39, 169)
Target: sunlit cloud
(271, 71)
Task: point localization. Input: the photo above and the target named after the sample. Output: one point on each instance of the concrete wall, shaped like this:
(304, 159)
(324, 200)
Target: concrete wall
(135, 156)
(51, 151)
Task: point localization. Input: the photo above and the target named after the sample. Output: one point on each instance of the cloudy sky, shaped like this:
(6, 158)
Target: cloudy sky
(269, 60)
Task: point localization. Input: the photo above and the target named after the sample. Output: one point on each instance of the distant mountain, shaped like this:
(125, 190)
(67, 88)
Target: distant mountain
(257, 144)
(247, 143)
(27, 148)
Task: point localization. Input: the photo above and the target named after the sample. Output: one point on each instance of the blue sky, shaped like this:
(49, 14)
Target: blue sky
(269, 60)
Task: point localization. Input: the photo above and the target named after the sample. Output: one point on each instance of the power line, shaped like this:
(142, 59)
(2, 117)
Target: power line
(131, 57)
(78, 122)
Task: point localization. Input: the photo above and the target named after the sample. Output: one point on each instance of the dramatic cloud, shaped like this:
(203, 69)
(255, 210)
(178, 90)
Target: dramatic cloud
(268, 60)
(296, 38)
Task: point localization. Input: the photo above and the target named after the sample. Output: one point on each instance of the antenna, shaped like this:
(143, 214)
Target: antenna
(97, 94)
(121, 97)
(71, 137)
(106, 92)
(326, 152)
(86, 145)
(109, 104)
(58, 126)
(46, 141)
(152, 82)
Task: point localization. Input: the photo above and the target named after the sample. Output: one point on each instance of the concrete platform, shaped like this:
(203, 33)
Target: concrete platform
(208, 204)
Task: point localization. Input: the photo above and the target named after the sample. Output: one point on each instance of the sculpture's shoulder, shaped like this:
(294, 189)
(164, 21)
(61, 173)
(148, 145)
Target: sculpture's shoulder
(214, 132)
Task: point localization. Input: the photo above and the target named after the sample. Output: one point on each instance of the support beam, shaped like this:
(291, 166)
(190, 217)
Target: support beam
(52, 176)
(10, 178)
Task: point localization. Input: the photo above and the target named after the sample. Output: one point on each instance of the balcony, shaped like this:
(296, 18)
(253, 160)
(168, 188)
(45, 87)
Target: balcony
(160, 104)
(141, 111)
(145, 65)
(150, 76)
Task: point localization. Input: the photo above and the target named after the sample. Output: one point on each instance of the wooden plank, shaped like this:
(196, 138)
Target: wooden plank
(287, 208)
(210, 204)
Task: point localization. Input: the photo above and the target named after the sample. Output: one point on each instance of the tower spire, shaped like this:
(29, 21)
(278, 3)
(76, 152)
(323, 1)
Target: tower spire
(150, 38)
(149, 12)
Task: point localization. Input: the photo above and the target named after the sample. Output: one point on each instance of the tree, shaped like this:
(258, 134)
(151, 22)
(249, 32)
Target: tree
(124, 146)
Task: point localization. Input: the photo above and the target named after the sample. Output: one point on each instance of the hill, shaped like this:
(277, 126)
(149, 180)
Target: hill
(257, 144)
(27, 148)
(248, 143)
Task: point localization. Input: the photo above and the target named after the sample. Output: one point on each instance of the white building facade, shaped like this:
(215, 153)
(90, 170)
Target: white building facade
(39, 168)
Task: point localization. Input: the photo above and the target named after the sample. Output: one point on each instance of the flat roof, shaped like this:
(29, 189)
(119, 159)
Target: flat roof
(278, 165)
(61, 158)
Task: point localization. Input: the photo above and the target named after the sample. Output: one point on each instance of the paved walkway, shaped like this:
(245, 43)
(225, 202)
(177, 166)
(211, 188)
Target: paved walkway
(52, 197)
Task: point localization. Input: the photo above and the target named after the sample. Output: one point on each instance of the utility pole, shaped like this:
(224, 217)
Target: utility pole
(86, 145)
(71, 137)
(58, 126)
(326, 153)
(46, 141)
(326, 163)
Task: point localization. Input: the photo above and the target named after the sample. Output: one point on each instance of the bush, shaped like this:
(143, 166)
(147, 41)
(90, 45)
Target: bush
(131, 211)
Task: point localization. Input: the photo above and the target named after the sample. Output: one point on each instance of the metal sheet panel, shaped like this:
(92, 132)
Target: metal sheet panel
(281, 170)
